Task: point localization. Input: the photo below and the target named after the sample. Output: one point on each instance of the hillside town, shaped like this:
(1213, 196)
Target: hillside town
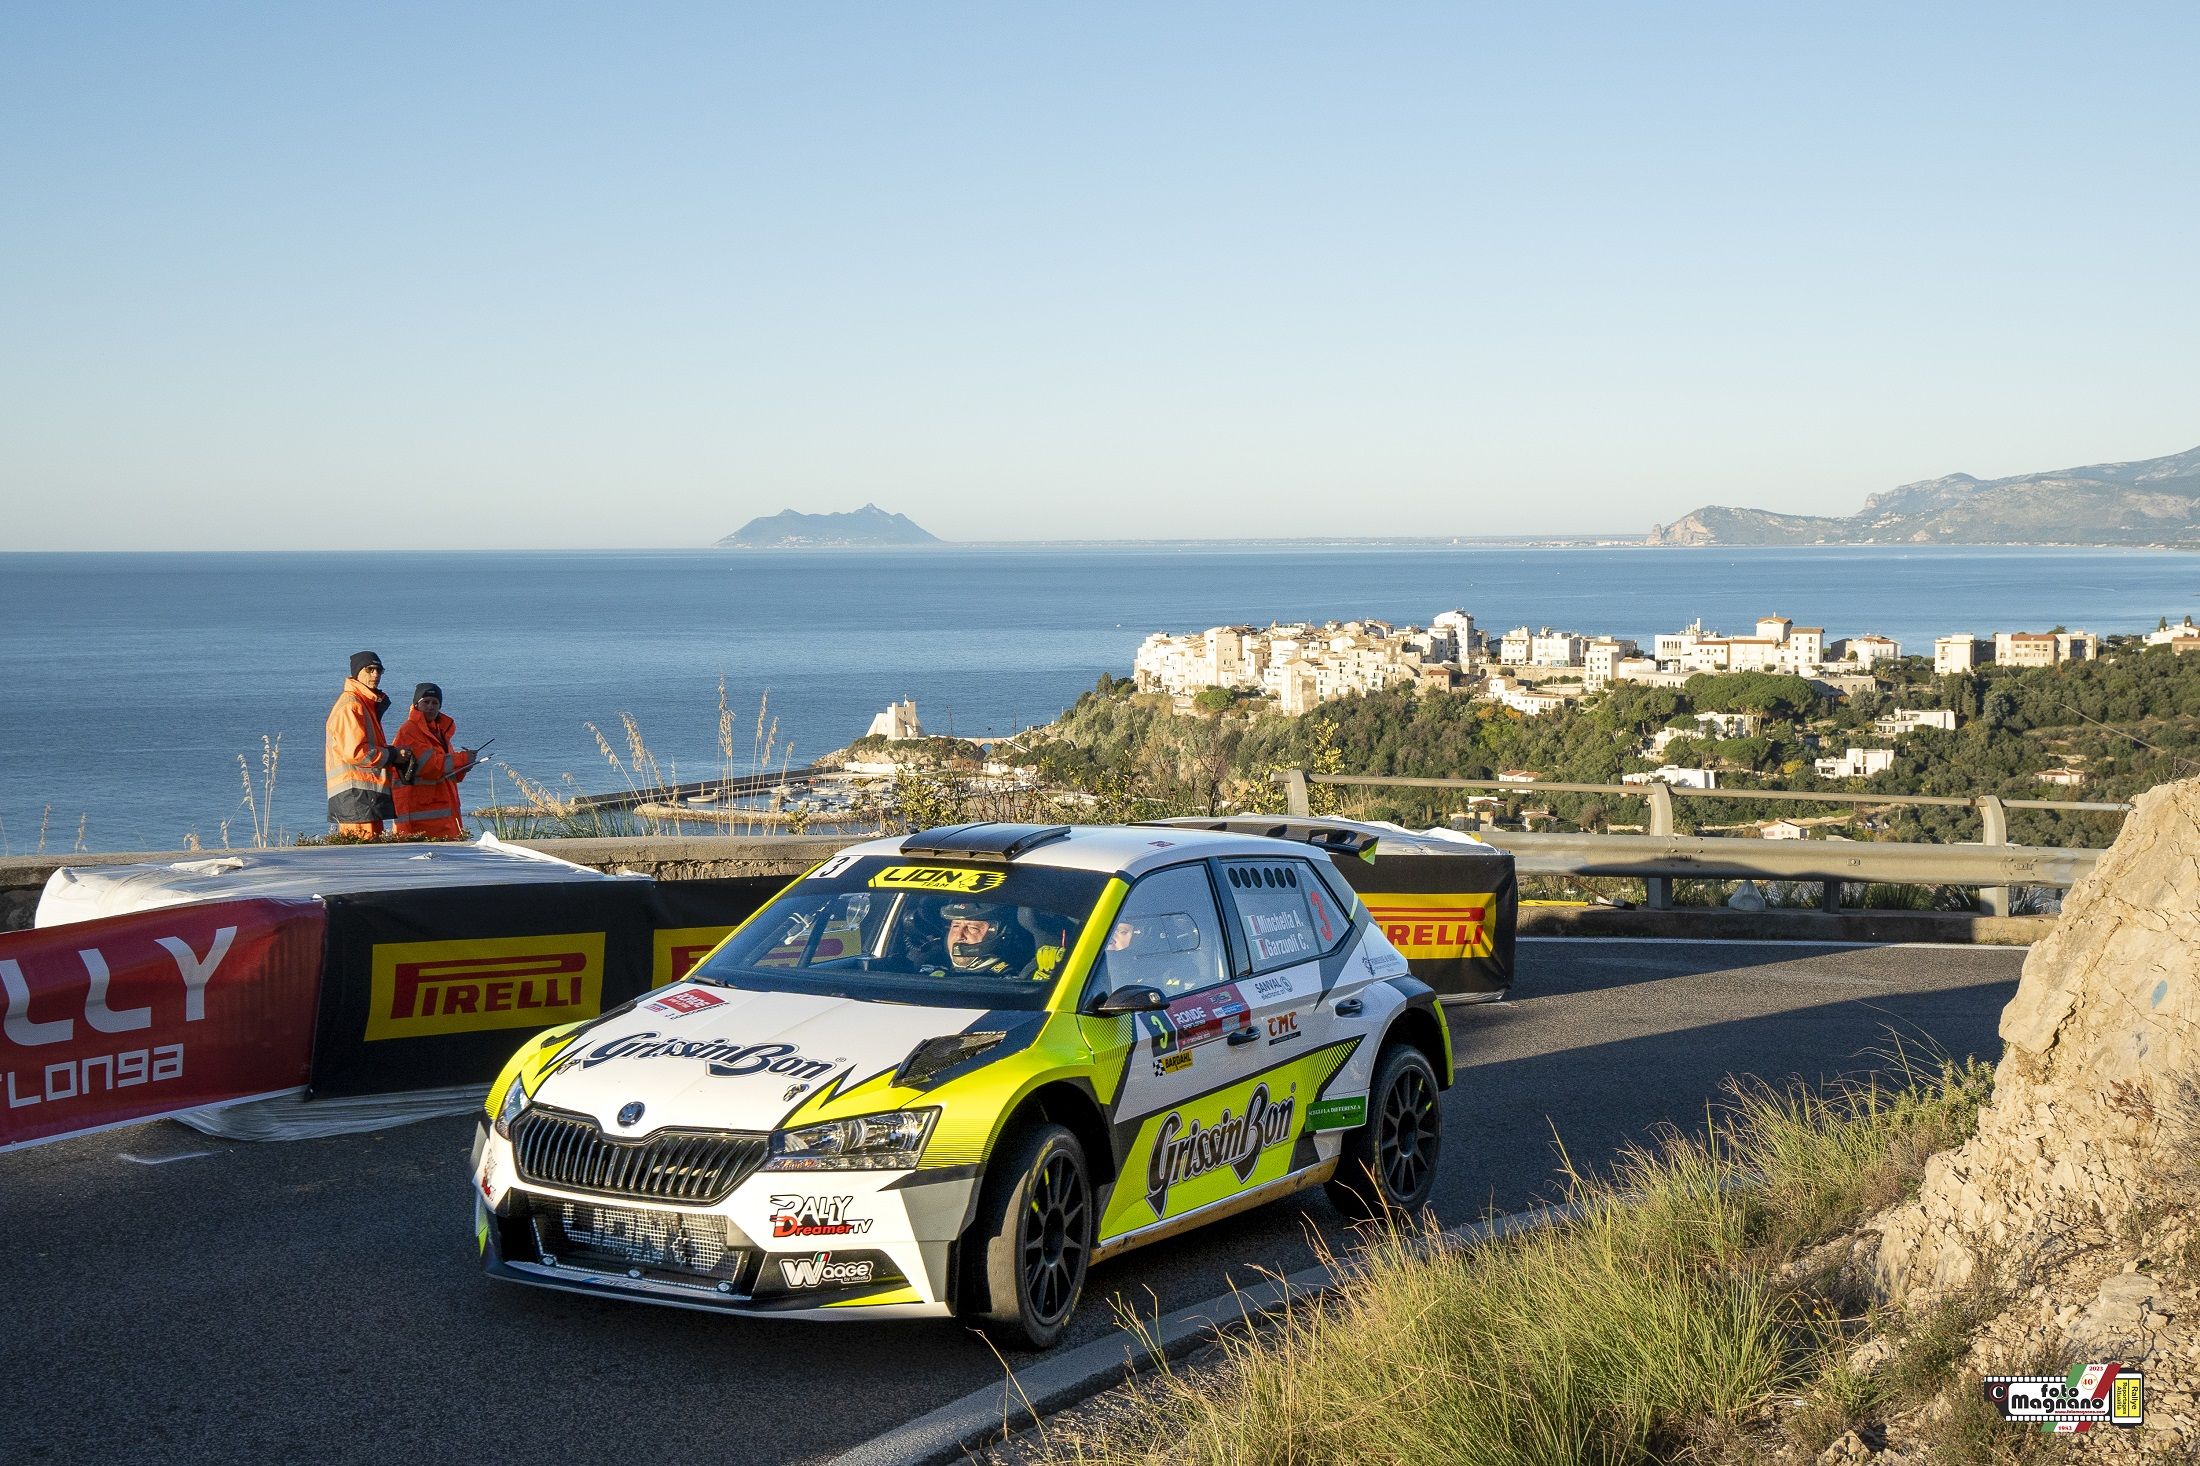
(1538, 670)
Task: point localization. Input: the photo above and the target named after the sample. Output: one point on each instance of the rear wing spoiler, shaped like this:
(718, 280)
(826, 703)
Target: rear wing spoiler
(1335, 836)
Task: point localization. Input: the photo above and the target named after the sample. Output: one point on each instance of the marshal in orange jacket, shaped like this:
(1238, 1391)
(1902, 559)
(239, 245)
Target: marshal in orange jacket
(427, 803)
(357, 757)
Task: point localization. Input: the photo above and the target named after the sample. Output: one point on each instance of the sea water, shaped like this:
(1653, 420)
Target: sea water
(131, 683)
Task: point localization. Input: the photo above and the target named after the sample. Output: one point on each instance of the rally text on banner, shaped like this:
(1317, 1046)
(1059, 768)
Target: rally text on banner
(133, 1017)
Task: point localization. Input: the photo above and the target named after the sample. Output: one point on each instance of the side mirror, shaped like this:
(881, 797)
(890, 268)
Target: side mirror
(1137, 998)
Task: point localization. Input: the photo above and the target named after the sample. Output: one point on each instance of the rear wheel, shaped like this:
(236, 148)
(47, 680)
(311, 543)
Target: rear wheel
(1026, 1254)
(1389, 1164)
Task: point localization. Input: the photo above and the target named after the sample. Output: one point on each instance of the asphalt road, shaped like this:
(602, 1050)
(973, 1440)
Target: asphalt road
(169, 1297)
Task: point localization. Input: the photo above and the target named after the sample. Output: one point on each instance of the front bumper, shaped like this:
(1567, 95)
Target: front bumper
(809, 1244)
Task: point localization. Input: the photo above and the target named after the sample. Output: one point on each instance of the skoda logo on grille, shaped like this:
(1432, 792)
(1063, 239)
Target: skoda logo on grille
(630, 1113)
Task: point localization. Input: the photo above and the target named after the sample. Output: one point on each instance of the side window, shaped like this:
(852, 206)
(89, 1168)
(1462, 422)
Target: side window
(1167, 935)
(1284, 912)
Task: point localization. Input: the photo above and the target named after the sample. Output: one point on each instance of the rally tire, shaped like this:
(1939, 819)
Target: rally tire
(1388, 1165)
(1028, 1249)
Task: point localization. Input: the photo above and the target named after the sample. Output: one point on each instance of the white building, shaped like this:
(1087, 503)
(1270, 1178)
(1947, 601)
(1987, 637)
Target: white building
(1959, 654)
(2045, 648)
(1868, 651)
(1781, 830)
(1907, 720)
(898, 722)
(2183, 631)
(1453, 633)
(1857, 763)
(1508, 692)
(1778, 645)
(1550, 648)
(1601, 658)
(1675, 775)
(2062, 778)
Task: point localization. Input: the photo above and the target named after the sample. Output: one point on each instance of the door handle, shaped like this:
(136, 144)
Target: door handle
(1244, 1035)
(1349, 1007)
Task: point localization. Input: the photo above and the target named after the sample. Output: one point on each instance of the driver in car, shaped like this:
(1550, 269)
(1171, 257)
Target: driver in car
(983, 937)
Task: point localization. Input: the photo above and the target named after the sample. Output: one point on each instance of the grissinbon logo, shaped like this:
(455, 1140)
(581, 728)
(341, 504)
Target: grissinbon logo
(1435, 924)
(423, 988)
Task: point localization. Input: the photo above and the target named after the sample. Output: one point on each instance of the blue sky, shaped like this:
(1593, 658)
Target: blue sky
(308, 275)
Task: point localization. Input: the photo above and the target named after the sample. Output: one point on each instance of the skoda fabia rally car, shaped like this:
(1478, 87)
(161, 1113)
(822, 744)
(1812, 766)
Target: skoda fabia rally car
(944, 1074)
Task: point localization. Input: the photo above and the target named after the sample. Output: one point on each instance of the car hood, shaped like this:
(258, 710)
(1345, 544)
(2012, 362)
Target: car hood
(702, 1056)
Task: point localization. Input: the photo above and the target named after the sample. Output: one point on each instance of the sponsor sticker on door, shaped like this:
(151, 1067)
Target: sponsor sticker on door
(476, 983)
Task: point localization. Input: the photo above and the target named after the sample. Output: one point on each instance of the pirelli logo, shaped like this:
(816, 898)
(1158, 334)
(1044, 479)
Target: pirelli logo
(424, 988)
(1435, 925)
(677, 949)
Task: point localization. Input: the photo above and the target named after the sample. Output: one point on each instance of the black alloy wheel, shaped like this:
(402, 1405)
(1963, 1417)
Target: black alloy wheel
(1389, 1164)
(1054, 1233)
(1025, 1255)
(1409, 1136)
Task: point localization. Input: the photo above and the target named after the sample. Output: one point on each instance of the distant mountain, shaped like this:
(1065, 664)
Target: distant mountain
(2155, 501)
(789, 530)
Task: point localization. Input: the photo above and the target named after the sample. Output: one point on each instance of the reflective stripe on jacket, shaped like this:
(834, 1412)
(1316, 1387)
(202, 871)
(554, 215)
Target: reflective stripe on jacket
(357, 756)
(427, 804)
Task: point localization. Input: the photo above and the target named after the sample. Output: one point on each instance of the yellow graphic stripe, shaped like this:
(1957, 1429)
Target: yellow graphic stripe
(873, 1300)
(1087, 951)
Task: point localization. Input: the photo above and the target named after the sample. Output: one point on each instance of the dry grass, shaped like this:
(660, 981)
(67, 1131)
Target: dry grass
(1664, 1324)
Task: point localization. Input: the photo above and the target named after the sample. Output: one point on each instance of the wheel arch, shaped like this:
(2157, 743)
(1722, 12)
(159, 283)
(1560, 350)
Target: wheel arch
(1420, 1025)
(1073, 1107)
(1062, 1102)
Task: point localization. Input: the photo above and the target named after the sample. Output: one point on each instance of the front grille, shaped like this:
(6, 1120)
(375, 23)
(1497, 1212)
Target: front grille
(664, 1244)
(558, 1149)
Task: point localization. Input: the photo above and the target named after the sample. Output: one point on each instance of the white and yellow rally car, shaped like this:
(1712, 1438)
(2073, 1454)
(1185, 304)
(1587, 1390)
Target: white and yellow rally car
(945, 1074)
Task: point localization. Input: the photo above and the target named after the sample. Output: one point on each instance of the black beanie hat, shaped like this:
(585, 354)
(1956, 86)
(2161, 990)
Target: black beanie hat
(362, 660)
(427, 689)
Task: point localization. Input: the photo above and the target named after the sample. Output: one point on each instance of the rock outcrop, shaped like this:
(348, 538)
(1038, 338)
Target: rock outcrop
(2075, 1203)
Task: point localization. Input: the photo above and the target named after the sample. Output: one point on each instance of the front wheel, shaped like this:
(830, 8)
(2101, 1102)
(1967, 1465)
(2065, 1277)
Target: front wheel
(1028, 1250)
(1389, 1164)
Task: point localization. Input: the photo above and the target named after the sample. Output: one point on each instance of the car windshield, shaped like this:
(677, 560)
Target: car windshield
(888, 928)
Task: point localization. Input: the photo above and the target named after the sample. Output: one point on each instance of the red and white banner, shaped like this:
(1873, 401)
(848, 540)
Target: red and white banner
(108, 1022)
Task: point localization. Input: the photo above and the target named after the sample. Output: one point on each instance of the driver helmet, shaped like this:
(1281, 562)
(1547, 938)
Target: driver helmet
(983, 936)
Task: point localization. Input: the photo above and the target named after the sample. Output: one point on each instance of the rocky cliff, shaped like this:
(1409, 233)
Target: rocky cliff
(2144, 502)
(2077, 1205)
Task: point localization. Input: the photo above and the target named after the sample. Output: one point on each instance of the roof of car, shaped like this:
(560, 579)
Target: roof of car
(1113, 849)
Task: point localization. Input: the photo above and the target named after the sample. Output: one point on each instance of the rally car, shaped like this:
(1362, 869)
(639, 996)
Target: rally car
(944, 1074)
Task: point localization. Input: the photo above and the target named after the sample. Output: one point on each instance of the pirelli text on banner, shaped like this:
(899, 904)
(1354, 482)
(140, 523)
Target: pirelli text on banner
(1428, 925)
(131, 1017)
(469, 984)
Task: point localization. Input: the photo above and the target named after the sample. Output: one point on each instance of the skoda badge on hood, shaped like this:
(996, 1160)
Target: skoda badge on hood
(630, 1113)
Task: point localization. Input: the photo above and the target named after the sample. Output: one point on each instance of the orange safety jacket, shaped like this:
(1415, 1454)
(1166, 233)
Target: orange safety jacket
(427, 803)
(357, 756)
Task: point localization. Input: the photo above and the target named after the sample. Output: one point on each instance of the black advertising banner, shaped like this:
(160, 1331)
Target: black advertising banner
(429, 989)
(1453, 916)
(694, 916)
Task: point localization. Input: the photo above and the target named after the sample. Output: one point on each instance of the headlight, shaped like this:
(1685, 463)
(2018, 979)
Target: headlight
(515, 1100)
(867, 1143)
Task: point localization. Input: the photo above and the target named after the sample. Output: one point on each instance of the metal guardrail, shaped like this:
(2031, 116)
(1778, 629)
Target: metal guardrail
(1662, 856)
